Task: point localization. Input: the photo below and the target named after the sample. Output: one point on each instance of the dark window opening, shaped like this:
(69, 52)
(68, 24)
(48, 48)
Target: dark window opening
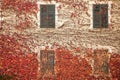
(100, 15)
(47, 61)
(101, 65)
(47, 16)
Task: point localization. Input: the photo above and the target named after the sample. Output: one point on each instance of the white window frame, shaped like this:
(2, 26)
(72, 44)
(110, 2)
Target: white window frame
(46, 3)
(91, 3)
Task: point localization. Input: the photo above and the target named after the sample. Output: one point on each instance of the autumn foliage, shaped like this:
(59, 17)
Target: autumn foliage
(70, 67)
(20, 6)
(115, 66)
(19, 64)
(14, 62)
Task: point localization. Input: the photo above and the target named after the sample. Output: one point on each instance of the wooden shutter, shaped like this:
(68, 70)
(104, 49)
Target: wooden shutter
(47, 16)
(100, 15)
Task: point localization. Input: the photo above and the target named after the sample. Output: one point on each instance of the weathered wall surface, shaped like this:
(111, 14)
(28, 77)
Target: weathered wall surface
(72, 27)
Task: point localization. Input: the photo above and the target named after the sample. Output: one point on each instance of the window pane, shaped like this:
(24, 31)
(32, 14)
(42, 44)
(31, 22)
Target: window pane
(51, 61)
(96, 16)
(51, 8)
(96, 21)
(44, 20)
(104, 16)
(96, 9)
(43, 8)
(51, 20)
(104, 20)
(104, 8)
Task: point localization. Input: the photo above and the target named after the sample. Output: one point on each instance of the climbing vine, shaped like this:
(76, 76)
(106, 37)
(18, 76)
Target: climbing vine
(14, 62)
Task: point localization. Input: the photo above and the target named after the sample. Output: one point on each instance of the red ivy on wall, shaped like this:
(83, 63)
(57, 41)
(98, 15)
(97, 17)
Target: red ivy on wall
(115, 66)
(70, 67)
(14, 62)
(20, 66)
(21, 7)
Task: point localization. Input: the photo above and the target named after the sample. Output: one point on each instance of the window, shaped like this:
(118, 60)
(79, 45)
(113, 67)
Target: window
(100, 65)
(47, 61)
(47, 16)
(100, 15)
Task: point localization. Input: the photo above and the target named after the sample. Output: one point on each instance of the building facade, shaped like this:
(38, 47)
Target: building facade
(51, 24)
